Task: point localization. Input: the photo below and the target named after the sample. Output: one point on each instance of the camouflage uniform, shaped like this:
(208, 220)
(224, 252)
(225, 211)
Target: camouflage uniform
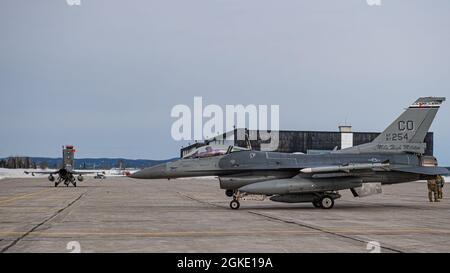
(440, 184)
(433, 190)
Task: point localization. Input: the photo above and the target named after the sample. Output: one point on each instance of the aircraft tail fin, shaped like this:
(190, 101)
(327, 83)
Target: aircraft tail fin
(407, 133)
(413, 125)
(68, 156)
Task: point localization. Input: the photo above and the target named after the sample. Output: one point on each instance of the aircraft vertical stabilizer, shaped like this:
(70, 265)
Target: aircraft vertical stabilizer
(407, 133)
(68, 157)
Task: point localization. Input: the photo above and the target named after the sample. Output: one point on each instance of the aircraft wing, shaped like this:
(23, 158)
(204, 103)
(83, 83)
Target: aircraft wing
(40, 172)
(423, 170)
(86, 172)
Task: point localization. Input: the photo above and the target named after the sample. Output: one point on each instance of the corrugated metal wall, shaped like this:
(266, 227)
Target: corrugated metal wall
(302, 141)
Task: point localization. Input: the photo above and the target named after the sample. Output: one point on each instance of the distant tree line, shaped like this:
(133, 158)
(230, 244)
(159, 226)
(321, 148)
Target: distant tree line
(17, 162)
(21, 162)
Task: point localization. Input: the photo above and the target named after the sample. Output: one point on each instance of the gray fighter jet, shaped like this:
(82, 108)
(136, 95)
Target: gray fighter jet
(395, 156)
(67, 173)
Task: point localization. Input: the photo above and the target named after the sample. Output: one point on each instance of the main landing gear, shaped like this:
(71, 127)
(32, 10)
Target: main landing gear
(73, 181)
(325, 201)
(59, 180)
(66, 181)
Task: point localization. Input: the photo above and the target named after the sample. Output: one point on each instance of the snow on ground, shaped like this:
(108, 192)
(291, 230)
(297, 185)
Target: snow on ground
(14, 173)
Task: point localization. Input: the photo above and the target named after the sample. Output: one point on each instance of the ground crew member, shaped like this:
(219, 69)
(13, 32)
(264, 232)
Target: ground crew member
(440, 184)
(432, 190)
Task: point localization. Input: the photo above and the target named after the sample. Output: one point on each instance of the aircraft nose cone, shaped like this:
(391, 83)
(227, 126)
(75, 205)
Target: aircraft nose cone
(155, 172)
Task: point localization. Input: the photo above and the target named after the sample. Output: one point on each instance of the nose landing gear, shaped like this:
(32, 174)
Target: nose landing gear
(237, 196)
(58, 181)
(235, 204)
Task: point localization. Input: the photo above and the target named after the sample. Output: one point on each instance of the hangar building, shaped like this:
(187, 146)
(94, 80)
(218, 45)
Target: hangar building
(308, 142)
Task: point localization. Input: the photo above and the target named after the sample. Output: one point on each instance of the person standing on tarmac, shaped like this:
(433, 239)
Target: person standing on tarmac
(432, 189)
(440, 185)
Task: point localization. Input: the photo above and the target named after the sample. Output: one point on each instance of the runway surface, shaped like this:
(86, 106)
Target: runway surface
(126, 215)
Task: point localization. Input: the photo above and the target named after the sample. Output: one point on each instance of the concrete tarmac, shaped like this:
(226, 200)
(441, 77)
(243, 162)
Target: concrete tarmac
(193, 215)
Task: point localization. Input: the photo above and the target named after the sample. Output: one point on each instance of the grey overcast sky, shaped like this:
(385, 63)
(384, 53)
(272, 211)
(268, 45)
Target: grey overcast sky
(105, 75)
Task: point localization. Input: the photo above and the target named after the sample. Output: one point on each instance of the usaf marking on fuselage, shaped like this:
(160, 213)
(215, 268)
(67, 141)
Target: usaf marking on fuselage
(395, 156)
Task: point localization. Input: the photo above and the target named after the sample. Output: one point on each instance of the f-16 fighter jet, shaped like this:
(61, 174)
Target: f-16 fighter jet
(395, 156)
(66, 174)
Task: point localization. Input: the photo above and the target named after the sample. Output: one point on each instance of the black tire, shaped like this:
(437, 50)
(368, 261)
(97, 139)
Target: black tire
(229, 193)
(56, 184)
(75, 184)
(235, 204)
(326, 202)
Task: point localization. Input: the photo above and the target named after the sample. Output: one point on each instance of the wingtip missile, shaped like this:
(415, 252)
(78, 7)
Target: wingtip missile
(307, 170)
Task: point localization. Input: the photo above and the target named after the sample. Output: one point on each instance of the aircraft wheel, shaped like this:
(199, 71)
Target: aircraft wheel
(316, 204)
(235, 204)
(229, 193)
(326, 202)
(56, 184)
(75, 184)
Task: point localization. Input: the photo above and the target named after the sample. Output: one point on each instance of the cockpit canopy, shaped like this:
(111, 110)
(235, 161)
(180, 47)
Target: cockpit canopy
(213, 150)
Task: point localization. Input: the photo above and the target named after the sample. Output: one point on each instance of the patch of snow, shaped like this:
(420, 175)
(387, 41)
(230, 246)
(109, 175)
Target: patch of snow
(14, 173)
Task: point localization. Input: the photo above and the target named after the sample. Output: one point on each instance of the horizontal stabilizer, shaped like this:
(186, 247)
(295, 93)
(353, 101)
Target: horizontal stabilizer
(423, 170)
